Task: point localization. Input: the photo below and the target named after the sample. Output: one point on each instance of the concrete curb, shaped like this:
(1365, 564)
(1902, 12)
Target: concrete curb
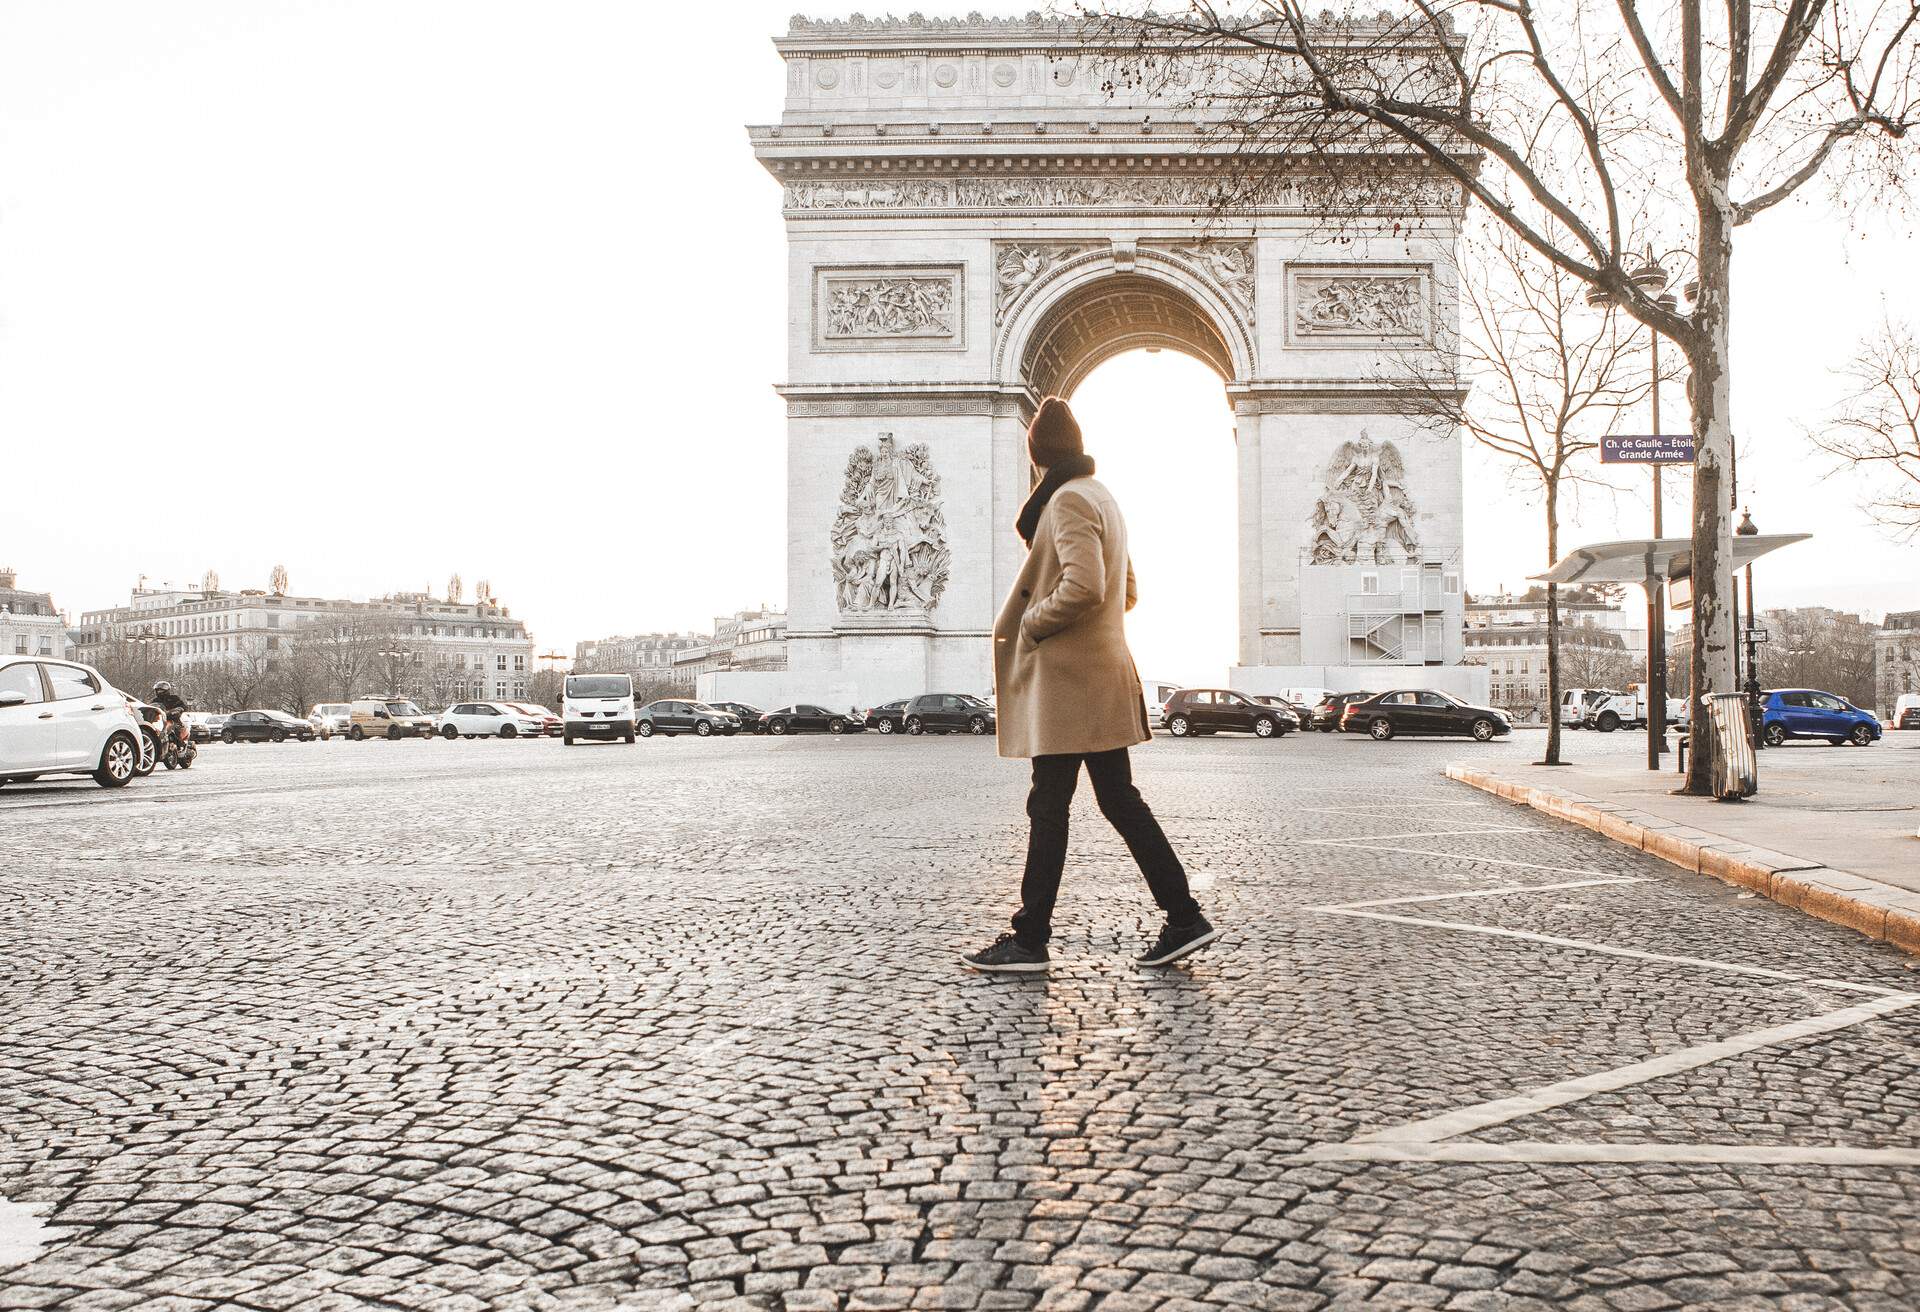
(1879, 911)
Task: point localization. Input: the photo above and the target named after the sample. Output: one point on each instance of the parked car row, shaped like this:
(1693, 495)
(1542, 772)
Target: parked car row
(1195, 712)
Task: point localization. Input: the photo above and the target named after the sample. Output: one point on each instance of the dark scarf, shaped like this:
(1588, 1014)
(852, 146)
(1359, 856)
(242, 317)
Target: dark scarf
(1057, 474)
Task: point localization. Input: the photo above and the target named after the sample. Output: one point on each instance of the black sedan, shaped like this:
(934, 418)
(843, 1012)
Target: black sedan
(804, 717)
(1422, 711)
(948, 712)
(265, 727)
(750, 716)
(1192, 712)
(889, 717)
(1326, 716)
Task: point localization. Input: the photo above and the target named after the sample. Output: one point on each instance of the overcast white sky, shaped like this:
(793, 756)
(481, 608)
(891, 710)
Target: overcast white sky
(395, 288)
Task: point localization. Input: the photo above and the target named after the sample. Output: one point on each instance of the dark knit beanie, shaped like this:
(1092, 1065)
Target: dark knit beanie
(1054, 434)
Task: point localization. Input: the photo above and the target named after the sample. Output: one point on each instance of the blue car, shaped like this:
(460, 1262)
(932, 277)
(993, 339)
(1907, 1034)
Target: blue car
(1808, 713)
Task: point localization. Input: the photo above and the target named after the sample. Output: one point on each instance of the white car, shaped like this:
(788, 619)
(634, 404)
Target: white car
(486, 720)
(330, 718)
(60, 717)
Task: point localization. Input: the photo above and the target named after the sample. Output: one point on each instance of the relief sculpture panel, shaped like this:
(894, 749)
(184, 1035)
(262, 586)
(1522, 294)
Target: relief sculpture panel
(911, 307)
(1364, 515)
(889, 539)
(1330, 307)
(1018, 265)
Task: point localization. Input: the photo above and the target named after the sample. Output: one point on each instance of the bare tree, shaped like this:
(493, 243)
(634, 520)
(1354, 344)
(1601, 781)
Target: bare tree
(1547, 376)
(1877, 429)
(1570, 124)
(131, 665)
(242, 679)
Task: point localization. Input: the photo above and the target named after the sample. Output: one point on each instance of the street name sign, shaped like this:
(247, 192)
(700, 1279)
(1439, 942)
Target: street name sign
(1647, 449)
(1756, 635)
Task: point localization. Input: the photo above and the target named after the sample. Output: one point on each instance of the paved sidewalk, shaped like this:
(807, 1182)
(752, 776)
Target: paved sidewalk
(678, 1027)
(1832, 830)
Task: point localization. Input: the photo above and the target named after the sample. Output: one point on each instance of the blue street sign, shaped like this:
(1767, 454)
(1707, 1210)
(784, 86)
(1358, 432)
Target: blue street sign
(1647, 449)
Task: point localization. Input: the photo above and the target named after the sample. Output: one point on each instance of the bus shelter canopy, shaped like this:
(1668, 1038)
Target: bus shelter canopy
(1654, 560)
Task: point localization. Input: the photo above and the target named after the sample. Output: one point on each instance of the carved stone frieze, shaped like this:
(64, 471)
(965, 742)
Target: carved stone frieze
(1018, 265)
(910, 307)
(889, 539)
(1364, 512)
(1358, 302)
(1146, 192)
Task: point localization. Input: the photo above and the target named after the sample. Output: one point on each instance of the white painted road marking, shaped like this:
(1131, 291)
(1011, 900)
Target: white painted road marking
(1482, 892)
(23, 1235)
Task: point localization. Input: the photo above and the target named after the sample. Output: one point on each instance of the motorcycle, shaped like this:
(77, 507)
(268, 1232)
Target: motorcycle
(176, 744)
(163, 740)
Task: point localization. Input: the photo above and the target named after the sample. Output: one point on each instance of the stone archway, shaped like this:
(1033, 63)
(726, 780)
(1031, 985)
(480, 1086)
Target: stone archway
(972, 223)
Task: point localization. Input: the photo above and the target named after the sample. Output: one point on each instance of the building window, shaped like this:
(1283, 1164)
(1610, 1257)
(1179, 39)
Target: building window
(1370, 584)
(500, 662)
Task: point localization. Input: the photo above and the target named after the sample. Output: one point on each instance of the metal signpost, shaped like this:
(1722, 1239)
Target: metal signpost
(1654, 449)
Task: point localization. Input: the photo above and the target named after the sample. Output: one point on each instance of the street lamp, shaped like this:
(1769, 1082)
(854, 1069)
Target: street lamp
(1748, 529)
(1652, 279)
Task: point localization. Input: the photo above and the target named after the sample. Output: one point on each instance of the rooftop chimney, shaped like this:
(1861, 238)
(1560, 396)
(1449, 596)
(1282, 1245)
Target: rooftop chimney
(7, 576)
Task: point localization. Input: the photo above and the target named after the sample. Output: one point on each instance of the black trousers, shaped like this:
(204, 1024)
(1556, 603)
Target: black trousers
(1054, 781)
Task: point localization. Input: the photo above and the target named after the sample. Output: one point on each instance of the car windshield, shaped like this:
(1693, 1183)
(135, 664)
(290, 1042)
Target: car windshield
(702, 706)
(602, 685)
(402, 708)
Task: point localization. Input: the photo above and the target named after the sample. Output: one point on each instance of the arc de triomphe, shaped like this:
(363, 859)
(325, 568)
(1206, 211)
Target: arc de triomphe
(973, 223)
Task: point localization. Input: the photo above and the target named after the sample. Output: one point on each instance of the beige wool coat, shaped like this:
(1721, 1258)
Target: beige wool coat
(1063, 677)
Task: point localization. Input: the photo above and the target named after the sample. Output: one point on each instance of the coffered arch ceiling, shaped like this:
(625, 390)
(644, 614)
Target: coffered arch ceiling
(1122, 312)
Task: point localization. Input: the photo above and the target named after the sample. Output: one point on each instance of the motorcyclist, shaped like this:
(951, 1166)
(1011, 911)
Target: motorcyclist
(174, 706)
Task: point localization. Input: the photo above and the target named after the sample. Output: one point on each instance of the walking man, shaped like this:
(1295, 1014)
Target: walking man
(1069, 696)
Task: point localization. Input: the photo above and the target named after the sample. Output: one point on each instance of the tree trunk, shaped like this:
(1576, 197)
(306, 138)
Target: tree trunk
(1553, 625)
(1712, 663)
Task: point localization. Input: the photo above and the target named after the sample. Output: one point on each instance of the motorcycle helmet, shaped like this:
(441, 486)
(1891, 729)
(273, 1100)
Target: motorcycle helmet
(161, 686)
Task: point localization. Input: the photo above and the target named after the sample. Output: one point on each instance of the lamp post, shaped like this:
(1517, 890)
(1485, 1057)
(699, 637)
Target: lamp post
(1748, 529)
(1650, 277)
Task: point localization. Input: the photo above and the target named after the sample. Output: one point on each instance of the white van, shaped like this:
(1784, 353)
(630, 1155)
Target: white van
(1906, 711)
(597, 706)
(1155, 692)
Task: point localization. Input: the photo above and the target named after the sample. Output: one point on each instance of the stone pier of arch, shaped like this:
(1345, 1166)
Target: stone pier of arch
(973, 223)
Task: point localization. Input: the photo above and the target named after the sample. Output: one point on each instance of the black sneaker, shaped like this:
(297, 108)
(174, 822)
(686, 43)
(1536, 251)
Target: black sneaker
(1177, 941)
(1008, 955)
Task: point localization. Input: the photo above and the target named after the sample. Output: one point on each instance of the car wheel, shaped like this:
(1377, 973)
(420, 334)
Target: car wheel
(354, 734)
(703, 729)
(279, 735)
(1774, 735)
(1263, 727)
(885, 726)
(508, 731)
(118, 760)
(566, 739)
(393, 733)
(836, 725)
(1860, 736)
(1607, 722)
(645, 728)
(1483, 731)
(149, 756)
(977, 725)
(914, 726)
(227, 737)
(1179, 726)
(449, 732)
(1380, 730)
(777, 727)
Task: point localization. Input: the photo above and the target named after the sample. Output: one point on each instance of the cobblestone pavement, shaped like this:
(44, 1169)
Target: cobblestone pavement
(675, 1025)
